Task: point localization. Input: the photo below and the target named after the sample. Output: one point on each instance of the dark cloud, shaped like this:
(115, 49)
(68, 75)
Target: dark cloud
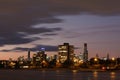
(15, 40)
(19, 49)
(37, 48)
(49, 34)
(5, 50)
(47, 47)
(13, 37)
(19, 15)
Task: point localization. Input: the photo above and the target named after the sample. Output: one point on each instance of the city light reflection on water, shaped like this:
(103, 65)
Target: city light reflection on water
(58, 75)
(112, 75)
(74, 71)
(95, 75)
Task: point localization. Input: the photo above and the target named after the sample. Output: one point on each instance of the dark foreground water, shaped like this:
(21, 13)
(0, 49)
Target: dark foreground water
(58, 75)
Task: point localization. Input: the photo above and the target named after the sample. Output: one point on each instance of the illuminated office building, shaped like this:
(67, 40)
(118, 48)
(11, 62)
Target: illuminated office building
(66, 52)
(40, 56)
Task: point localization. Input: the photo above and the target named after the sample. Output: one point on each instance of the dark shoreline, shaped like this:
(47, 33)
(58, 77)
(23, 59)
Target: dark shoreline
(62, 69)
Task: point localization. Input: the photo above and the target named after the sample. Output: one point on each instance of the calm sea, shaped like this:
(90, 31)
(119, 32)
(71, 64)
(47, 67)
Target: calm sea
(58, 75)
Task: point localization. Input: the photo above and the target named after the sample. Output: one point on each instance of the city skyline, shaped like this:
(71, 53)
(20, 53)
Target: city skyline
(34, 24)
(30, 52)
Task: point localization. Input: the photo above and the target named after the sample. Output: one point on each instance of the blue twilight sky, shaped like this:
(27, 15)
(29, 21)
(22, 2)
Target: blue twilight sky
(28, 24)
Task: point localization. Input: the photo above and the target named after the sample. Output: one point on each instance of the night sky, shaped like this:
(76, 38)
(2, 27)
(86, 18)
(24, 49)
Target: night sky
(33, 24)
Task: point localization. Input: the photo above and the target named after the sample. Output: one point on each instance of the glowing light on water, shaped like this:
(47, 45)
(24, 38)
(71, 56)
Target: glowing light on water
(74, 71)
(112, 75)
(95, 75)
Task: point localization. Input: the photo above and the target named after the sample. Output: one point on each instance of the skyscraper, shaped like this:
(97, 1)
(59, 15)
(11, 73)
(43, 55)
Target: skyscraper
(108, 56)
(66, 52)
(28, 55)
(39, 58)
(85, 53)
(41, 55)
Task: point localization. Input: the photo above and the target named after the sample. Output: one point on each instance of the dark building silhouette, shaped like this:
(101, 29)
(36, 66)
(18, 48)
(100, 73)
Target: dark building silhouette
(85, 53)
(108, 56)
(28, 55)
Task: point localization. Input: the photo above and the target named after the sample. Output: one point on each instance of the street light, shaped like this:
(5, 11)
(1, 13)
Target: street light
(113, 59)
(95, 59)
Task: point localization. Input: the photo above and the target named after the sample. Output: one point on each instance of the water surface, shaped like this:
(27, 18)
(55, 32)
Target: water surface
(58, 75)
